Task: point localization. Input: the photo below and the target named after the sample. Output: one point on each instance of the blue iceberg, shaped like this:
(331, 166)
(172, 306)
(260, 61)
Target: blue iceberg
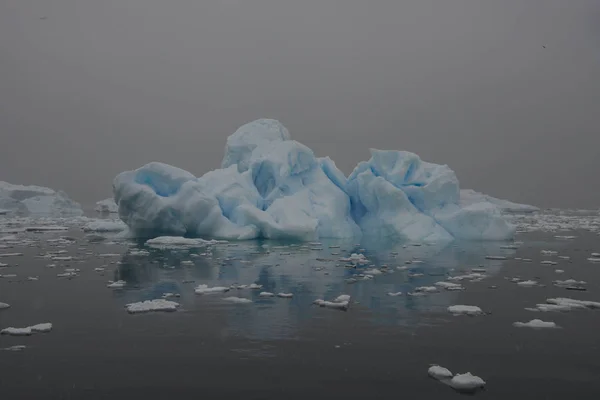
(270, 186)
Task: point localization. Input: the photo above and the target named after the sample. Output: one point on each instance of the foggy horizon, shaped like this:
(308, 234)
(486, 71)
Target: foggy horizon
(505, 93)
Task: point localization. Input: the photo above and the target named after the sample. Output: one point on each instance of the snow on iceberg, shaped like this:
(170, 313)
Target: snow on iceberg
(273, 187)
(106, 206)
(36, 201)
(469, 196)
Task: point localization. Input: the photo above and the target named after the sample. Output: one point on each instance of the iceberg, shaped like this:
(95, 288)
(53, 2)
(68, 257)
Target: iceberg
(469, 196)
(107, 206)
(36, 201)
(270, 186)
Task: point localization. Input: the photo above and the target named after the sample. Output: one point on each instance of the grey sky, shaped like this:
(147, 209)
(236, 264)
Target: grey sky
(98, 87)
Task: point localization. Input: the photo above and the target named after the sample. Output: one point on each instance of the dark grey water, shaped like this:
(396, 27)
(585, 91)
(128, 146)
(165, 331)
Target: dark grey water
(277, 348)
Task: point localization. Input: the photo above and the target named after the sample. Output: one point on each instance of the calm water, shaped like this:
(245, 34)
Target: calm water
(278, 348)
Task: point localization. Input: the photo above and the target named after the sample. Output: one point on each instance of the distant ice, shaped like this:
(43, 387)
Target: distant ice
(341, 302)
(285, 295)
(528, 283)
(204, 289)
(271, 186)
(449, 285)
(396, 294)
(238, 300)
(266, 294)
(36, 201)
(19, 347)
(107, 206)
(4, 305)
(536, 324)
(466, 310)
(152, 305)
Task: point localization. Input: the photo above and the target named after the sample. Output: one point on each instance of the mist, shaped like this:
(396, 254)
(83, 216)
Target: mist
(507, 93)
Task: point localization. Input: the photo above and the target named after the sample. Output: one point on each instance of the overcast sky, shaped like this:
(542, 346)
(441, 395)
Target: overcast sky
(89, 88)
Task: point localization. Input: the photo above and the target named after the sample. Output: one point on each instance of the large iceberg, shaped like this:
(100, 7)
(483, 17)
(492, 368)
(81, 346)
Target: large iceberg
(271, 186)
(36, 201)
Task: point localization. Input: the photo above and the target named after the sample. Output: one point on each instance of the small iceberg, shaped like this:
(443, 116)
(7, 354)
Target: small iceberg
(152, 305)
(464, 310)
(237, 300)
(204, 289)
(536, 324)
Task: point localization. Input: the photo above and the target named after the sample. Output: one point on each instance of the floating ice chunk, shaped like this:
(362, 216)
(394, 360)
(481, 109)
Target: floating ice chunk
(204, 289)
(464, 310)
(564, 257)
(466, 382)
(342, 298)
(535, 324)
(62, 258)
(116, 285)
(426, 289)
(559, 271)
(396, 294)
(468, 277)
(139, 253)
(594, 259)
(255, 286)
(19, 347)
(169, 295)
(548, 252)
(569, 282)
(151, 305)
(10, 254)
(46, 228)
(574, 303)
(449, 285)
(547, 262)
(107, 206)
(331, 304)
(105, 226)
(8, 276)
(4, 306)
(285, 295)
(373, 271)
(16, 331)
(266, 294)
(99, 269)
(43, 328)
(237, 300)
(33, 278)
(528, 283)
(495, 257)
(178, 241)
(3, 265)
(595, 254)
(437, 372)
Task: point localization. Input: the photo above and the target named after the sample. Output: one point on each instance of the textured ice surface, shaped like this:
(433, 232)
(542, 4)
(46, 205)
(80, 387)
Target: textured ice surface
(204, 289)
(152, 305)
(271, 186)
(16, 331)
(36, 201)
(178, 241)
(468, 197)
(466, 382)
(466, 310)
(437, 372)
(107, 206)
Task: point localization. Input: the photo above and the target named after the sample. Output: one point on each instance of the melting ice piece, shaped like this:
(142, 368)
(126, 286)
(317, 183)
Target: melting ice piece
(43, 328)
(449, 285)
(204, 289)
(151, 305)
(341, 302)
(437, 372)
(536, 324)
(255, 286)
(116, 285)
(426, 289)
(266, 294)
(16, 331)
(237, 300)
(4, 305)
(465, 310)
(392, 294)
(495, 257)
(548, 253)
(19, 347)
(285, 295)
(528, 283)
(105, 226)
(466, 382)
